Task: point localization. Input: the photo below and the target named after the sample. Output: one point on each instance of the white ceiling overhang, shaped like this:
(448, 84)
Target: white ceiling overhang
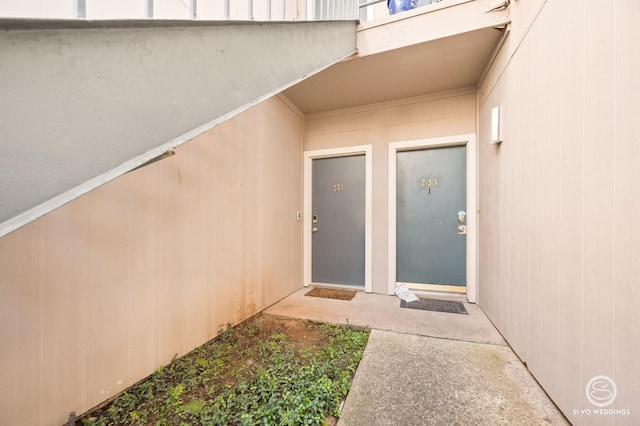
(431, 49)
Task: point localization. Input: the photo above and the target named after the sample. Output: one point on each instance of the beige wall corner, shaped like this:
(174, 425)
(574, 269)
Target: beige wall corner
(559, 197)
(99, 293)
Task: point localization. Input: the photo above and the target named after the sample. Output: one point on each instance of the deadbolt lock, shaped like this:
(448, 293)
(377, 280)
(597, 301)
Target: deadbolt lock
(462, 229)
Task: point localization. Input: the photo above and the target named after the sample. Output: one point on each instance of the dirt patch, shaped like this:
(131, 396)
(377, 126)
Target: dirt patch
(266, 370)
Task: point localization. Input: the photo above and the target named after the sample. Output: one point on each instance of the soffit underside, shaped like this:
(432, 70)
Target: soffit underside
(430, 67)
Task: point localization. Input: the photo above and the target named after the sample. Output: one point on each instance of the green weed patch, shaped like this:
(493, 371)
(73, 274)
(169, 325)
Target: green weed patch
(265, 371)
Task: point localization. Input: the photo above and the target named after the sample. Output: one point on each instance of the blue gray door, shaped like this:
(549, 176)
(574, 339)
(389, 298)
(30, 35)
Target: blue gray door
(431, 216)
(338, 220)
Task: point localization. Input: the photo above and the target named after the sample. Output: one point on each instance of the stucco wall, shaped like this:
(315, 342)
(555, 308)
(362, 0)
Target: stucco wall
(121, 93)
(99, 293)
(558, 199)
(444, 114)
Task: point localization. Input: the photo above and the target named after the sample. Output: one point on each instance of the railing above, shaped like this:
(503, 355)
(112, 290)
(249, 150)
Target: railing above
(234, 10)
(240, 10)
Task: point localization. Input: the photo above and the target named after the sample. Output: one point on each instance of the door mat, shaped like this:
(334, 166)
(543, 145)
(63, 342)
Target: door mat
(331, 293)
(450, 306)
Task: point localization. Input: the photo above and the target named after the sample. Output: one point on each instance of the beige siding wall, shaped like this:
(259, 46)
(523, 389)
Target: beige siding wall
(558, 243)
(101, 292)
(431, 116)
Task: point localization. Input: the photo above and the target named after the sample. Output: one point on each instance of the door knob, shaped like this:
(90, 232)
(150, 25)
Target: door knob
(314, 230)
(462, 216)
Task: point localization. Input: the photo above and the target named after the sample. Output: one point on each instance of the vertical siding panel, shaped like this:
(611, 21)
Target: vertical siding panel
(270, 227)
(210, 325)
(64, 248)
(506, 225)
(170, 258)
(279, 231)
(518, 210)
(215, 140)
(264, 193)
(108, 289)
(627, 203)
(224, 227)
(532, 268)
(500, 225)
(194, 206)
(143, 272)
(598, 190)
(19, 325)
(570, 392)
(256, 210)
(491, 282)
(550, 188)
(251, 212)
(233, 233)
(243, 187)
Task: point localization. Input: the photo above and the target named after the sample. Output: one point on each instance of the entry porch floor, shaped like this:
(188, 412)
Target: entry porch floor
(428, 368)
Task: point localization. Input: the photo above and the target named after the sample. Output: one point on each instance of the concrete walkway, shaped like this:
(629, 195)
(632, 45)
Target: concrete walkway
(428, 368)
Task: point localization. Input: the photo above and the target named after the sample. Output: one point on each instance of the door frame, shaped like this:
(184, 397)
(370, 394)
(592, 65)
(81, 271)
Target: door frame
(468, 140)
(309, 156)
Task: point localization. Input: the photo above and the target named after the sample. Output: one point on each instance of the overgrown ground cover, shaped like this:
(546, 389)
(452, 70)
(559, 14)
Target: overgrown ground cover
(265, 371)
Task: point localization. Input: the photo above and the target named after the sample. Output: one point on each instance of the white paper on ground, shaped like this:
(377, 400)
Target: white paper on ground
(403, 292)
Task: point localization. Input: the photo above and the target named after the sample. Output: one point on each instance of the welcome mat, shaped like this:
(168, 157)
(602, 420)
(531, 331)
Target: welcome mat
(450, 306)
(331, 293)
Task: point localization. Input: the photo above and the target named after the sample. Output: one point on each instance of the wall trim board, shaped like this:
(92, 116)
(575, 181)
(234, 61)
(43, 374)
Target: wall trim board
(290, 104)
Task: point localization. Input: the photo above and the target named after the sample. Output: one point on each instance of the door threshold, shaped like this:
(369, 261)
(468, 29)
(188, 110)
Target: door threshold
(441, 295)
(439, 288)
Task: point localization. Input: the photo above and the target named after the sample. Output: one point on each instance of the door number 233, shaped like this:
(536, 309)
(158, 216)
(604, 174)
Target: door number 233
(429, 182)
(338, 187)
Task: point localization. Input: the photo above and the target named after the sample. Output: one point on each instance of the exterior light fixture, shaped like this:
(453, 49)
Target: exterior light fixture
(496, 136)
